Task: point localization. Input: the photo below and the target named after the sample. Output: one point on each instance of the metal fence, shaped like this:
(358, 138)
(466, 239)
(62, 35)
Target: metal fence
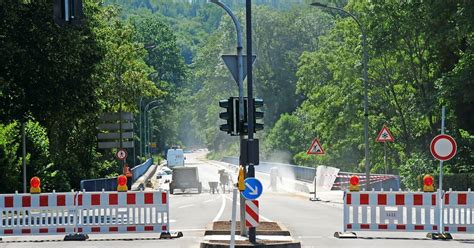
(110, 184)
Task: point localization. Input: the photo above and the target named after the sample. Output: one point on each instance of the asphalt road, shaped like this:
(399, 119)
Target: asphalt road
(312, 223)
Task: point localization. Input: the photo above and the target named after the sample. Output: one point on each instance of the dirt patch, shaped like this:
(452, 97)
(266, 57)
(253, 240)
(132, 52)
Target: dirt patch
(263, 226)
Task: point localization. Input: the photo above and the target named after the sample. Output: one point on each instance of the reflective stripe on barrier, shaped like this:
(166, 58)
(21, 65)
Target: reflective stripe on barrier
(84, 212)
(408, 211)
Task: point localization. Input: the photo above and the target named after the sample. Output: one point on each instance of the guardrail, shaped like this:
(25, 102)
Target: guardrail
(307, 174)
(110, 184)
(141, 169)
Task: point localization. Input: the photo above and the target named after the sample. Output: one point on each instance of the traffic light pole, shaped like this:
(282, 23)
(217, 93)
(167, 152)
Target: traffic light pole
(251, 168)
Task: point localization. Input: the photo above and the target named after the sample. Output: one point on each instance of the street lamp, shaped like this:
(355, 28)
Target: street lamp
(146, 124)
(240, 69)
(149, 131)
(365, 59)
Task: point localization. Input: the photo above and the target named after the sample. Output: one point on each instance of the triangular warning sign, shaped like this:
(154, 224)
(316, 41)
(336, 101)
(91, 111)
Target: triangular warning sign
(384, 135)
(315, 148)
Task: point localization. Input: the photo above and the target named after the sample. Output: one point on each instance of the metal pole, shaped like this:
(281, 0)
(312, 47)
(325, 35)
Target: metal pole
(365, 59)
(150, 130)
(251, 168)
(441, 228)
(66, 10)
(366, 106)
(232, 225)
(140, 124)
(23, 138)
(385, 156)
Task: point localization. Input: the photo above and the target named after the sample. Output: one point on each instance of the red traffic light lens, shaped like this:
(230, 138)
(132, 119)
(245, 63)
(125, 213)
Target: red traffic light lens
(428, 181)
(35, 182)
(354, 180)
(122, 180)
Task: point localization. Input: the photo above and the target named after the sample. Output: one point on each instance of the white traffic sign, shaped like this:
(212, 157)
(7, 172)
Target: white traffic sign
(443, 147)
(315, 148)
(384, 135)
(121, 154)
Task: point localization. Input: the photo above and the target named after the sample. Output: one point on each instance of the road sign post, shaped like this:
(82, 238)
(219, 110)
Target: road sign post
(384, 137)
(443, 147)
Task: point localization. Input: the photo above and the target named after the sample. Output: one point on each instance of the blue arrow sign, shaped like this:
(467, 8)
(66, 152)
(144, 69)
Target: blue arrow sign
(253, 188)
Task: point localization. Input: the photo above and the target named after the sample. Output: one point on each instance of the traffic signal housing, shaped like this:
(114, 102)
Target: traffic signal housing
(230, 116)
(257, 114)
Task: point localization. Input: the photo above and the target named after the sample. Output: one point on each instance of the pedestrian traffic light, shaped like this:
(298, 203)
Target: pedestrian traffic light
(257, 114)
(67, 11)
(122, 183)
(354, 183)
(35, 184)
(428, 183)
(230, 116)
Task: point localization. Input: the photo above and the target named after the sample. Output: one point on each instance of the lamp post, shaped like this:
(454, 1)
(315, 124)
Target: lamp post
(148, 150)
(240, 69)
(365, 59)
(146, 124)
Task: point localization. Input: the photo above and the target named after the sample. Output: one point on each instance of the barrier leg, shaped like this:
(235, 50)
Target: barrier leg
(314, 198)
(345, 216)
(76, 236)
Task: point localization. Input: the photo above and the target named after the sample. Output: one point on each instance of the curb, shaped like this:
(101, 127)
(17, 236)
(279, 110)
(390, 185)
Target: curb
(226, 245)
(237, 232)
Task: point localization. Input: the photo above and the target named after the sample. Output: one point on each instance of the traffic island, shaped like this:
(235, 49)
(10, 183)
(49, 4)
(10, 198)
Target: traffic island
(269, 234)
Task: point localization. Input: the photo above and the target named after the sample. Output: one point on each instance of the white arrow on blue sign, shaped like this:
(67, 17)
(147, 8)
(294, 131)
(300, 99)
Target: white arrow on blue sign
(253, 188)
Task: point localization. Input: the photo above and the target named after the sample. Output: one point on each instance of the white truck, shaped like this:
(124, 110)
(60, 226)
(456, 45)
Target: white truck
(175, 157)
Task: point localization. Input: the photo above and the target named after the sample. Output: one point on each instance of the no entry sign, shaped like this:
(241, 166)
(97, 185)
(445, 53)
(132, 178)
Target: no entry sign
(121, 154)
(443, 147)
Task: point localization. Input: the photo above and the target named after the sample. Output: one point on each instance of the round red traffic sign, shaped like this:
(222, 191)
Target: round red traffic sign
(443, 147)
(121, 154)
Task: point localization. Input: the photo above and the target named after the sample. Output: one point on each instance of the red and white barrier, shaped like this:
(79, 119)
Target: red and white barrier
(390, 211)
(408, 211)
(84, 212)
(458, 212)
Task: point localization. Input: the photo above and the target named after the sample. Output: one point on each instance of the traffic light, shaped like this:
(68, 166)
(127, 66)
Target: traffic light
(354, 184)
(428, 183)
(257, 114)
(67, 11)
(230, 116)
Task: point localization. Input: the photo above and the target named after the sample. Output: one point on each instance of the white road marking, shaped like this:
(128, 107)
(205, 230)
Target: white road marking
(186, 206)
(209, 200)
(219, 214)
